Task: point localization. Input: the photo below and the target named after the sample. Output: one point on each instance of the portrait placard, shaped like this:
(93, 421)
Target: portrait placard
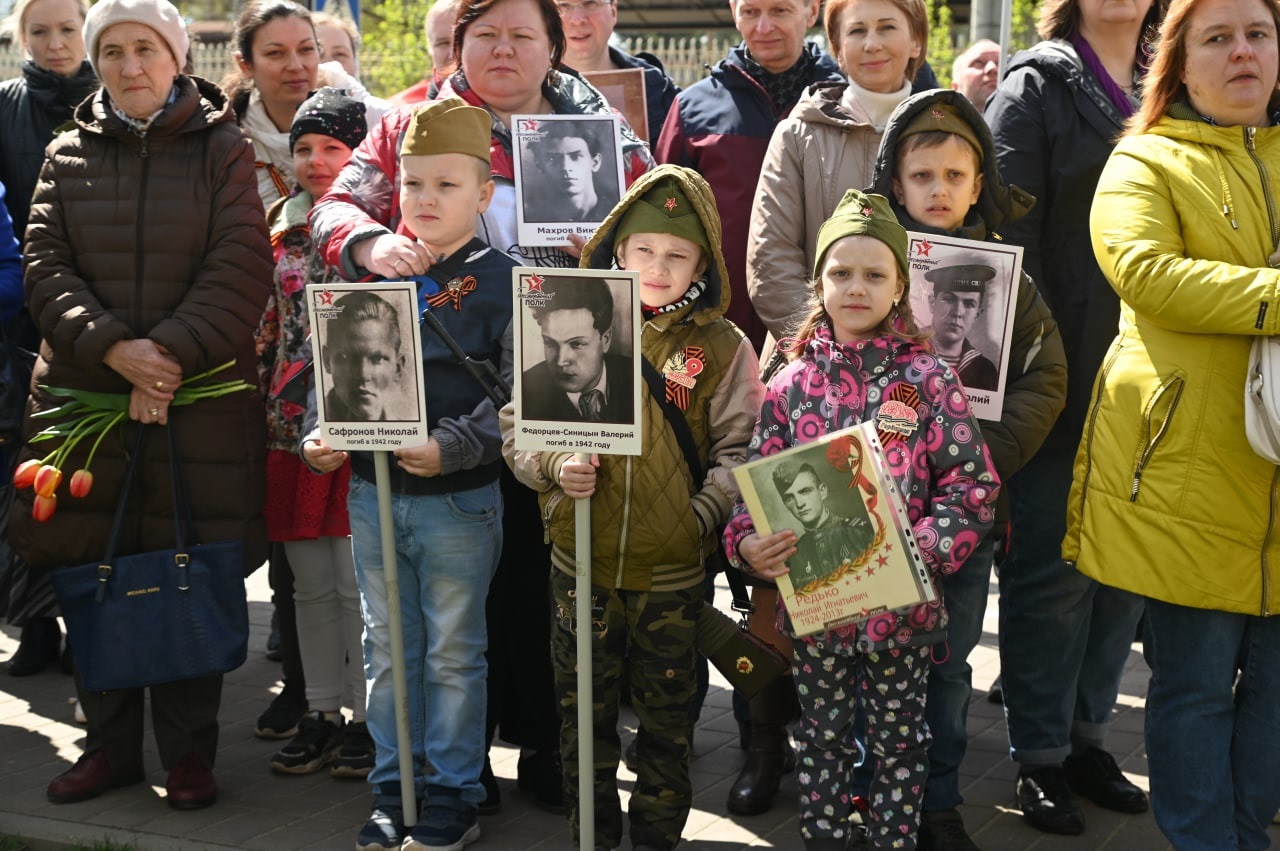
(568, 175)
(966, 293)
(577, 360)
(624, 89)
(855, 555)
(368, 357)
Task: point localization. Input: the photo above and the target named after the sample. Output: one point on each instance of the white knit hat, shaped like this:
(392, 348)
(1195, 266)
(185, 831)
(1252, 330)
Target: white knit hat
(161, 15)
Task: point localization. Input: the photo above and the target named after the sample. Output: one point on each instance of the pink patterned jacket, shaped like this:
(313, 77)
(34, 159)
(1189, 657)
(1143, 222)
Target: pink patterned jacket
(942, 468)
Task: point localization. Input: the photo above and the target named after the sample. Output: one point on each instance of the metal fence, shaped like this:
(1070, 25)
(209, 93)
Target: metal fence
(685, 57)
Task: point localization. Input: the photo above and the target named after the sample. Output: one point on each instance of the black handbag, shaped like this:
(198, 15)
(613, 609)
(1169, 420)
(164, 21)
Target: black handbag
(161, 616)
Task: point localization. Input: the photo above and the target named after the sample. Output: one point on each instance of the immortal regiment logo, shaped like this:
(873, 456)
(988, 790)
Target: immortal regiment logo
(531, 290)
(324, 306)
(919, 254)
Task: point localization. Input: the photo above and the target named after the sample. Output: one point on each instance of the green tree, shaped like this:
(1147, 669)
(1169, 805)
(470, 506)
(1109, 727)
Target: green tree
(1022, 26)
(395, 47)
(942, 51)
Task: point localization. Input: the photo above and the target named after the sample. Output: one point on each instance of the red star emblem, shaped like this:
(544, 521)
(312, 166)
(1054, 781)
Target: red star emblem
(535, 283)
(936, 114)
(883, 560)
(530, 125)
(871, 571)
(923, 247)
(670, 204)
(326, 297)
(867, 211)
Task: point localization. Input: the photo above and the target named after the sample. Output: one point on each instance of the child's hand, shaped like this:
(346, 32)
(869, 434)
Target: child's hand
(767, 557)
(578, 478)
(321, 457)
(421, 460)
(393, 256)
(575, 246)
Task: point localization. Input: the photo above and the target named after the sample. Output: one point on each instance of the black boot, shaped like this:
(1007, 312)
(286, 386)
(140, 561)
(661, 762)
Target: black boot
(37, 648)
(770, 754)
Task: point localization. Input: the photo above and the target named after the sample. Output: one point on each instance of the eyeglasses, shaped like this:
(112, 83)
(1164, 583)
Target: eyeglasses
(585, 7)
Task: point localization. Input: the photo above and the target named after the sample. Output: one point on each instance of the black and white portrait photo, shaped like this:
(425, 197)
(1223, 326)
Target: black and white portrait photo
(568, 175)
(577, 349)
(368, 355)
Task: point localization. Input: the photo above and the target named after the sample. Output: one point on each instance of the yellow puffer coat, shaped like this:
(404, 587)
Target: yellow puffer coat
(1169, 501)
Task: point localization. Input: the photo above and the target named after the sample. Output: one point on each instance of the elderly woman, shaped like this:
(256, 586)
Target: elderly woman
(1064, 638)
(55, 77)
(168, 281)
(1169, 501)
(510, 52)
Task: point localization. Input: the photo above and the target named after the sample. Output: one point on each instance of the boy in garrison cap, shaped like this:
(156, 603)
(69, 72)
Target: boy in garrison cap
(448, 512)
(957, 300)
(937, 162)
(653, 517)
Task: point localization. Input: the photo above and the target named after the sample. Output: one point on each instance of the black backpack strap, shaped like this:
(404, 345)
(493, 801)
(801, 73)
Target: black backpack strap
(689, 447)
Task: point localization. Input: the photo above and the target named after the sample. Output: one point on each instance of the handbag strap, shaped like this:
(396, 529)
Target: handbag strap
(183, 526)
(689, 448)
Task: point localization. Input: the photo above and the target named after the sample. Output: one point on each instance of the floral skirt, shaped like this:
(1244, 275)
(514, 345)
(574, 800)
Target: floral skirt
(302, 505)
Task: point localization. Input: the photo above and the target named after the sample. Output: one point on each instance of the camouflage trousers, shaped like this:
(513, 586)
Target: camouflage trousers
(653, 634)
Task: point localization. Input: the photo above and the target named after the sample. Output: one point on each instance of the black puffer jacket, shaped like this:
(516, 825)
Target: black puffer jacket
(162, 237)
(31, 106)
(1054, 129)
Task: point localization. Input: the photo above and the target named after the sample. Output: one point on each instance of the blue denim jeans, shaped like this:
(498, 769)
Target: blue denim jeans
(1213, 726)
(951, 676)
(447, 549)
(1064, 638)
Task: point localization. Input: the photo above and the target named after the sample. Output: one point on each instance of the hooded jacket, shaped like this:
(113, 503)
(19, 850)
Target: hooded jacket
(1036, 384)
(652, 522)
(364, 201)
(1169, 500)
(941, 466)
(31, 106)
(1054, 128)
(721, 126)
(817, 153)
(158, 236)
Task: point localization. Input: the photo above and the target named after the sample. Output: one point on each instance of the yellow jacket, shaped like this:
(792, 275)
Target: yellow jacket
(1169, 501)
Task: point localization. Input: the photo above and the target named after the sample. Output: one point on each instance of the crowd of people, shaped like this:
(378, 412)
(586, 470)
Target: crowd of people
(1133, 157)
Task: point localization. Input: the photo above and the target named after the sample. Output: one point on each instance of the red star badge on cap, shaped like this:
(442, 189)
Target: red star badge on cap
(867, 211)
(936, 114)
(670, 204)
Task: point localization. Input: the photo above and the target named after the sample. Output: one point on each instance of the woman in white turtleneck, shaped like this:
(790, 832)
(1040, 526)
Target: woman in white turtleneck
(827, 146)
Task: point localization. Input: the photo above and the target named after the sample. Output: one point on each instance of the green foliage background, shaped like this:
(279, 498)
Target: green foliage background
(395, 54)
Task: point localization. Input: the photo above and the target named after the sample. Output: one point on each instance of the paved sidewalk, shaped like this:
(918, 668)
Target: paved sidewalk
(261, 810)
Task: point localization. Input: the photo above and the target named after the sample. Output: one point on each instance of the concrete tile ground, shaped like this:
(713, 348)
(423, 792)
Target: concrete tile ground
(259, 810)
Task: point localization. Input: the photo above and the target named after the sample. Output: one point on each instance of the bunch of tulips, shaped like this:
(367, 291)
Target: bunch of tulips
(86, 414)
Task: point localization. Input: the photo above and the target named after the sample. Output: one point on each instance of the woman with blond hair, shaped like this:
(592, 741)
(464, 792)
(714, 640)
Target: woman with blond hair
(1170, 502)
(1064, 639)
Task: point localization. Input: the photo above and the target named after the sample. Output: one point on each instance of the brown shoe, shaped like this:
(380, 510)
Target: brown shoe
(191, 785)
(88, 778)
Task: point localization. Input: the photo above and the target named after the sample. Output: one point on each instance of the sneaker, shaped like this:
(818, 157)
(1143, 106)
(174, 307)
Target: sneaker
(448, 823)
(1046, 801)
(356, 756)
(384, 829)
(280, 721)
(1092, 773)
(317, 743)
(943, 830)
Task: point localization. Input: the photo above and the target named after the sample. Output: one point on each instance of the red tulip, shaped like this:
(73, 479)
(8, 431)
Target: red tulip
(48, 478)
(81, 483)
(44, 506)
(25, 476)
